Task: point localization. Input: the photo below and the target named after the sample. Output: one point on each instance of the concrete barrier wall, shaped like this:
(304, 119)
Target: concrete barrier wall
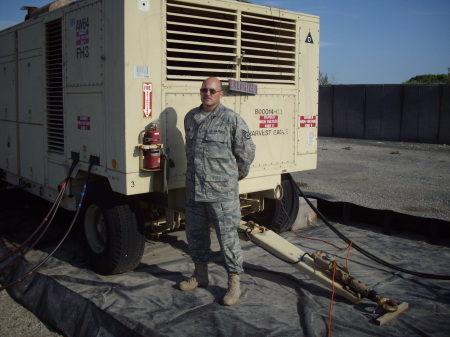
(410, 113)
(444, 116)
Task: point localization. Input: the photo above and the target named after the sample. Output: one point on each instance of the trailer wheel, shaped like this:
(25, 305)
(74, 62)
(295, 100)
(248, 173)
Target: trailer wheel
(112, 230)
(279, 215)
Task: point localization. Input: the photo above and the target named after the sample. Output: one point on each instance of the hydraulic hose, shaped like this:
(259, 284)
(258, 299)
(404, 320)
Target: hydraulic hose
(51, 213)
(22, 255)
(360, 249)
(61, 241)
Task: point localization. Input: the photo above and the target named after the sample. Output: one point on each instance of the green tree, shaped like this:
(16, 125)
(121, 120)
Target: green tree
(323, 79)
(429, 79)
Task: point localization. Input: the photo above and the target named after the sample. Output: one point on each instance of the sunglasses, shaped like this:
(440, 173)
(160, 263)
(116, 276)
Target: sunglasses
(211, 91)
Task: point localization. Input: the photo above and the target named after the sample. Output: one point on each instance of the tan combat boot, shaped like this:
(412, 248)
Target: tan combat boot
(199, 279)
(233, 291)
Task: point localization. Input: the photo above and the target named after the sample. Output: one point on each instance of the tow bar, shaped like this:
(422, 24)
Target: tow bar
(321, 268)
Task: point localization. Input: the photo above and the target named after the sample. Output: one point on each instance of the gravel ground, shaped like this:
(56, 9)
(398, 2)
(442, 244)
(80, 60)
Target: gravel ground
(404, 177)
(408, 178)
(16, 321)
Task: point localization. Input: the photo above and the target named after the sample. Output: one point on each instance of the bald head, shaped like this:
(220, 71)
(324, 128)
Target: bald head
(211, 80)
(210, 93)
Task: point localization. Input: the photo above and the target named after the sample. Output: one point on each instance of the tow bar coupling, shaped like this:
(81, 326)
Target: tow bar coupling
(342, 275)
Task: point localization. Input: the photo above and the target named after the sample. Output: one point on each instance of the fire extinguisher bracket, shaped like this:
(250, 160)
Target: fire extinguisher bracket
(150, 147)
(146, 150)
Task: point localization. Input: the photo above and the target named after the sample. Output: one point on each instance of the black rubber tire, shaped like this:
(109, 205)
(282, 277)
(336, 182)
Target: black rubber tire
(112, 230)
(279, 215)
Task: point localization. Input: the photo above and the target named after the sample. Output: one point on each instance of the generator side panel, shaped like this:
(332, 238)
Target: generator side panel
(22, 105)
(84, 82)
(30, 102)
(8, 72)
(24, 108)
(114, 96)
(32, 155)
(30, 70)
(8, 106)
(307, 119)
(52, 96)
(8, 146)
(270, 116)
(143, 54)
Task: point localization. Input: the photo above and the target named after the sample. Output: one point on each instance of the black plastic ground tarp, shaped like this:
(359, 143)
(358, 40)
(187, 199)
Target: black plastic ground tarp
(277, 299)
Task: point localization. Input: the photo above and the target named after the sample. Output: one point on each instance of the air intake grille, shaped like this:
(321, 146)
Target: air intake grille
(268, 49)
(54, 87)
(212, 41)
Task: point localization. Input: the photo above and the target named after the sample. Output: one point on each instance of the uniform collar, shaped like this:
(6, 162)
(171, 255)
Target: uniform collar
(216, 109)
(199, 117)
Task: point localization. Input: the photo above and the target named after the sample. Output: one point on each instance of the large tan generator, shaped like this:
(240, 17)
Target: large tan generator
(106, 85)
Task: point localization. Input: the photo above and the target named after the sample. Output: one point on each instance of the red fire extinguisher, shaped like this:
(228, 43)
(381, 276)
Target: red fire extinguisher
(152, 156)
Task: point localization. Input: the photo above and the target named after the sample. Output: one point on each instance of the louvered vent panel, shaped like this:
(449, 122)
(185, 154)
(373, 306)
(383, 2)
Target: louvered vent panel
(201, 41)
(54, 87)
(268, 47)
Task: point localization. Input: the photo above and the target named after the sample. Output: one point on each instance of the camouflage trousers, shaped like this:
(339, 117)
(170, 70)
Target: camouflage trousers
(225, 216)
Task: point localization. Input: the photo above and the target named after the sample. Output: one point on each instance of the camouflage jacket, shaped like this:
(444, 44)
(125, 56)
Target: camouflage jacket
(219, 152)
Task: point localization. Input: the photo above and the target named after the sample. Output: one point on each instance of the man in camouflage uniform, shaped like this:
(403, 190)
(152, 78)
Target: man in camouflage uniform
(219, 151)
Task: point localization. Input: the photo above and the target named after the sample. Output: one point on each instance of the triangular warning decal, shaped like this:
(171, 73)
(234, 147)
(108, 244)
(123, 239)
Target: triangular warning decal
(309, 38)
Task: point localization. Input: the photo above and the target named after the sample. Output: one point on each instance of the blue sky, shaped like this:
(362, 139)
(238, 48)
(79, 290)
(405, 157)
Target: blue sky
(361, 41)
(378, 41)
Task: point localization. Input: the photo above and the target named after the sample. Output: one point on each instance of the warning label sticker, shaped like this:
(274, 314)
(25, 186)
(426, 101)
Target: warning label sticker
(147, 91)
(82, 31)
(308, 121)
(82, 37)
(268, 122)
(84, 122)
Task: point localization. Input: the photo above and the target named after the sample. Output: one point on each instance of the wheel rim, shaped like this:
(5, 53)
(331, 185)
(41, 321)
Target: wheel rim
(95, 228)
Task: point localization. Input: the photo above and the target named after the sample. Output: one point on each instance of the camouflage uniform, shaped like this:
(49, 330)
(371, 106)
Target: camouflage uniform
(219, 151)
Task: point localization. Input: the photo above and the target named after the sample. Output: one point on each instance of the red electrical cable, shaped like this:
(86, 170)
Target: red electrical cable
(51, 212)
(348, 254)
(49, 215)
(30, 272)
(332, 299)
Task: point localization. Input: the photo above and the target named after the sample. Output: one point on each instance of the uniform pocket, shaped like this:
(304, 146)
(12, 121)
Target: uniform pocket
(216, 146)
(217, 187)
